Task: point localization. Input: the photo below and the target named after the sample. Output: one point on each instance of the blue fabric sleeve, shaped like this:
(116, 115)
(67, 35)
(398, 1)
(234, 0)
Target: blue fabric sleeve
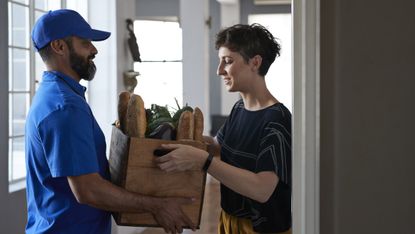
(68, 141)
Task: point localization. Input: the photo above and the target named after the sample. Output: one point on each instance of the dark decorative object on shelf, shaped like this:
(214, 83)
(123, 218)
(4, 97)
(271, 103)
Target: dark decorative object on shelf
(132, 42)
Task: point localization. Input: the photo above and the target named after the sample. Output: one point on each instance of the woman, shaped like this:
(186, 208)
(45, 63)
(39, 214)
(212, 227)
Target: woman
(254, 167)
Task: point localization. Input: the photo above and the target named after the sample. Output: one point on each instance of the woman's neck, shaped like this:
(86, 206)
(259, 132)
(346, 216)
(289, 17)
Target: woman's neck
(258, 97)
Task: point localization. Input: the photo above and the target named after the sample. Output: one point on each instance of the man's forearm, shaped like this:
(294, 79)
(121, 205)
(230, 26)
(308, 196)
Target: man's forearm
(93, 190)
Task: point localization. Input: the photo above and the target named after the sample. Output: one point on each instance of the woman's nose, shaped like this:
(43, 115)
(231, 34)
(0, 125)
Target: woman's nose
(220, 71)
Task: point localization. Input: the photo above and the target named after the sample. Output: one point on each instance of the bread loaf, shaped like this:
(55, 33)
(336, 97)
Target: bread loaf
(198, 124)
(123, 99)
(185, 127)
(136, 117)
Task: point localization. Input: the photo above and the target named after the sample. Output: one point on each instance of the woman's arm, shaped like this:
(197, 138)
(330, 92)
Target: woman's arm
(257, 186)
(213, 145)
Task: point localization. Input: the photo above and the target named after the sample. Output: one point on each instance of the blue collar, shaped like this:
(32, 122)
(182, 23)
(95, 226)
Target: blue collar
(75, 86)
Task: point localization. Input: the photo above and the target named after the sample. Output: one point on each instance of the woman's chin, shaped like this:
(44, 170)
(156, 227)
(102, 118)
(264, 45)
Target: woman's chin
(230, 89)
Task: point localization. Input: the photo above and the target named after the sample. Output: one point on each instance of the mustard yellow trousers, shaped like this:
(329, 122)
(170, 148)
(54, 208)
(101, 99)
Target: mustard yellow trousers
(232, 225)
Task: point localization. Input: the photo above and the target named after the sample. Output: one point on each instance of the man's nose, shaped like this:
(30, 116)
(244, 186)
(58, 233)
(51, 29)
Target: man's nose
(94, 49)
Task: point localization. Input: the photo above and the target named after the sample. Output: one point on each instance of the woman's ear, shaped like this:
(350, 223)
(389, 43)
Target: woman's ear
(256, 62)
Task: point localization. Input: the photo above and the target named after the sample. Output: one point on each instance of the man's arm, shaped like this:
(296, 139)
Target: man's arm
(93, 190)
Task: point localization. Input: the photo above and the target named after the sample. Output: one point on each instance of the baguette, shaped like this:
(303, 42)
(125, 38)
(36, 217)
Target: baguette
(198, 124)
(136, 117)
(185, 127)
(123, 99)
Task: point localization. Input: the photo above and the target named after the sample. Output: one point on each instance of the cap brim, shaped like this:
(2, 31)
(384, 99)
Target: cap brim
(97, 35)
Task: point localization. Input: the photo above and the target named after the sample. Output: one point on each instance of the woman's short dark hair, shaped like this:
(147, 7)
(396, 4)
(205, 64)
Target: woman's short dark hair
(250, 40)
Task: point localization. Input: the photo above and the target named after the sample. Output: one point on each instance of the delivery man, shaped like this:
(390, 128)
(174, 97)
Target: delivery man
(68, 187)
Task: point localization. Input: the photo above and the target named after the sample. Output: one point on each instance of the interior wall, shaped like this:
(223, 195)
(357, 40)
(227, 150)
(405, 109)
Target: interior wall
(195, 32)
(248, 7)
(215, 82)
(367, 116)
(151, 8)
(13, 205)
(108, 82)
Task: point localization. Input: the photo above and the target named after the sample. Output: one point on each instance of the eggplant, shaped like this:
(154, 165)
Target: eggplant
(165, 131)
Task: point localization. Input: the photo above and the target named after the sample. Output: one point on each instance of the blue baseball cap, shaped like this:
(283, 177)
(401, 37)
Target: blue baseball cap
(62, 23)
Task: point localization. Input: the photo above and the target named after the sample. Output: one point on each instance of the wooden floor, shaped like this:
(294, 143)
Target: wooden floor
(210, 214)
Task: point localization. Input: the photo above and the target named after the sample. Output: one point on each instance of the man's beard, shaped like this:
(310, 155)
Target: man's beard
(85, 69)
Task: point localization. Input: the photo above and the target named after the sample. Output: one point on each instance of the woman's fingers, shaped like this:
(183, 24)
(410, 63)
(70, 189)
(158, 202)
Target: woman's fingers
(163, 159)
(180, 158)
(170, 146)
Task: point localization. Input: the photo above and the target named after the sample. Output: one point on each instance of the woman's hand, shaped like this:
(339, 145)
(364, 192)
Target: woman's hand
(257, 186)
(181, 158)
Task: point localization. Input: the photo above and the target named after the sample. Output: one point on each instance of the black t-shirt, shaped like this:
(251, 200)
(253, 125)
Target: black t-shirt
(259, 141)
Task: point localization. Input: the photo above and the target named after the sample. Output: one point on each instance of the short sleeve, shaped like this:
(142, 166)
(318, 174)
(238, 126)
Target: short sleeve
(68, 141)
(275, 152)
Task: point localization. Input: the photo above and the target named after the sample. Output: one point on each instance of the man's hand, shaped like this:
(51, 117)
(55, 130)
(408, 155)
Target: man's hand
(169, 214)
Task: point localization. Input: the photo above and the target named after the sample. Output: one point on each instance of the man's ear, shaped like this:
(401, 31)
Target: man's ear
(58, 46)
(256, 62)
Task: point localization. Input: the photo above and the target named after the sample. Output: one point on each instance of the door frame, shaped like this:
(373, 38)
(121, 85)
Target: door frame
(306, 116)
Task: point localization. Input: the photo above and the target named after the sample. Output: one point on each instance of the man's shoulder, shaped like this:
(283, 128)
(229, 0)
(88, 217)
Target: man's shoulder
(53, 99)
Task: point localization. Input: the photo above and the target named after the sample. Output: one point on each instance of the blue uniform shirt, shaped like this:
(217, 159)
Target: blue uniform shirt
(62, 139)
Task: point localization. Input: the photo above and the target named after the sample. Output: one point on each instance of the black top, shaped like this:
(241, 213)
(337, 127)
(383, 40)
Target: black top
(259, 141)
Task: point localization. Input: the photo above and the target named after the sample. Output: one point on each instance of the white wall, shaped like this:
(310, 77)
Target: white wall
(104, 89)
(193, 14)
(230, 14)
